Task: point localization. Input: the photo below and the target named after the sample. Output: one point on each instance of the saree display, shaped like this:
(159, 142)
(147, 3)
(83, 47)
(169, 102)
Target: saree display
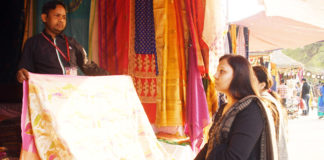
(80, 117)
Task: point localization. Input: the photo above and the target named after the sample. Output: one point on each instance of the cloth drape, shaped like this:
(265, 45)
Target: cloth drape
(142, 68)
(232, 31)
(214, 23)
(84, 117)
(114, 35)
(195, 15)
(170, 41)
(29, 20)
(93, 32)
(197, 110)
(240, 42)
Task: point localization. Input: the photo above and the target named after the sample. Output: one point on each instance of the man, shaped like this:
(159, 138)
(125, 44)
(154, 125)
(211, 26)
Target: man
(283, 92)
(51, 52)
(305, 95)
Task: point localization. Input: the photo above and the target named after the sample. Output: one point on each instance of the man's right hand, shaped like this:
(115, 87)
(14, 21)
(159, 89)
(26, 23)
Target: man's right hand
(22, 75)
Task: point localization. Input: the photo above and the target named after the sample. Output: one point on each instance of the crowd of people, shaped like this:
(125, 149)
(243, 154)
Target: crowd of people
(302, 97)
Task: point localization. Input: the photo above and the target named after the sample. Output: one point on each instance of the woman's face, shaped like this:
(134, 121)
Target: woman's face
(224, 76)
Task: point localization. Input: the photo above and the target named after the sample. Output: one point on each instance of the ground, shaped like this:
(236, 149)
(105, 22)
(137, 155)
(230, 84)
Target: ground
(306, 137)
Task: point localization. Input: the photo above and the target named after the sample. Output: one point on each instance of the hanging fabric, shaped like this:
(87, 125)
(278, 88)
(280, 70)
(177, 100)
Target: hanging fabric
(142, 68)
(232, 31)
(144, 29)
(240, 43)
(93, 32)
(197, 110)
(246, 38)
(29, 20)
(114, 35)
(171, 55)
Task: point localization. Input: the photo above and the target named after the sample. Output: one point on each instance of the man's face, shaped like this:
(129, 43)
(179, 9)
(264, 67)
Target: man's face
(55, 21)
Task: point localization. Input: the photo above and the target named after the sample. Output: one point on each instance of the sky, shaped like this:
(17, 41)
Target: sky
(240, 9)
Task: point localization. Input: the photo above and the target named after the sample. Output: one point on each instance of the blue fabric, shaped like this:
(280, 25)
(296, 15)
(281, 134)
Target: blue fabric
(144, 27)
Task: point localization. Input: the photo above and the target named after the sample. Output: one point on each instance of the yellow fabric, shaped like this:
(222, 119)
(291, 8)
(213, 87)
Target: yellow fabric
(171, 60)
(93, 32)
(212, 99)
(233, 37)
(28, 31)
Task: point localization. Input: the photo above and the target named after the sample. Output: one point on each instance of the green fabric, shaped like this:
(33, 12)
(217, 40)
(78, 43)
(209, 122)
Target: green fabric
(77, 24)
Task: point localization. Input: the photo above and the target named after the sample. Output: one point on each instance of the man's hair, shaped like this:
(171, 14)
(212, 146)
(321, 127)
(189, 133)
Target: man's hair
(244, 81)
(51, 5)
(304, 79)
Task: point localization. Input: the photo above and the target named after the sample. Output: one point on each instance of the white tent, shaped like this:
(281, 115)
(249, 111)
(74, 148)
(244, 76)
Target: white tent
(285, 24)
(283, 61)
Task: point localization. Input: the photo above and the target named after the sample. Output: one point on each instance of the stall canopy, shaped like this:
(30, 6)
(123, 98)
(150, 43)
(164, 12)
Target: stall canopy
(284, 24)
(283, 61)
(275, 32)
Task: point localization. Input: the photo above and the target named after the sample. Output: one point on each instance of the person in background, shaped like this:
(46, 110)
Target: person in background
(283, 92)
(305, 95)
(265, 83)
(320, 102)
(52, 52)
(241, 128)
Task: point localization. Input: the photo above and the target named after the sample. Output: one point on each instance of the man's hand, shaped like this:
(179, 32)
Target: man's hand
(22, 75)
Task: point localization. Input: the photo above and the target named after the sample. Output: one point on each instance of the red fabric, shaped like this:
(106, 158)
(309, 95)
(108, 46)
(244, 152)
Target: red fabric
(114, 35)
(196, 16)
(301, 104)
(150, 110)
(144, 79)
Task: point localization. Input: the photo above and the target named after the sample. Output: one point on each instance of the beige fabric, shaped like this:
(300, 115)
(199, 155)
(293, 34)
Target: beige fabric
(307, 11)
(269, 33)
(215, 21)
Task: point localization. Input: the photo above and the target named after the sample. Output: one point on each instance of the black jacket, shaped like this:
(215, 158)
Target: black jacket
(40, 56)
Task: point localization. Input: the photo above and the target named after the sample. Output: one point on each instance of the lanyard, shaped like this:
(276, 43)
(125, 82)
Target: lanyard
(67, 47)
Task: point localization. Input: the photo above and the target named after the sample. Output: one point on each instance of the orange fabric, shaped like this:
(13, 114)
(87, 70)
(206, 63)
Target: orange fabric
(25, 155)
(233, 37)
(28, 31)
(170, 50)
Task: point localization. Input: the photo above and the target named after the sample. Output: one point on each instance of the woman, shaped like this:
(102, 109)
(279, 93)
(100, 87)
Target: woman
(241, 129)
(264, 84)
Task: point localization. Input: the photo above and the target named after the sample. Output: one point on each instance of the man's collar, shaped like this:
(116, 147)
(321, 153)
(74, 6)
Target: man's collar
(49, 36)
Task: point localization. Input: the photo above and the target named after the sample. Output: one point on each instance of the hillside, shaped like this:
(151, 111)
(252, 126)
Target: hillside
(312, 56)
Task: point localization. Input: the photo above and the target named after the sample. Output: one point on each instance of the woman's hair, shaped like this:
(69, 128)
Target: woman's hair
(263, 75)
(244, 82)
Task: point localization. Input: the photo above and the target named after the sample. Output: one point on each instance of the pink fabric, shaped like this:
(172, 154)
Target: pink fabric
(197, 109)
(28, 143)
(240, 42)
